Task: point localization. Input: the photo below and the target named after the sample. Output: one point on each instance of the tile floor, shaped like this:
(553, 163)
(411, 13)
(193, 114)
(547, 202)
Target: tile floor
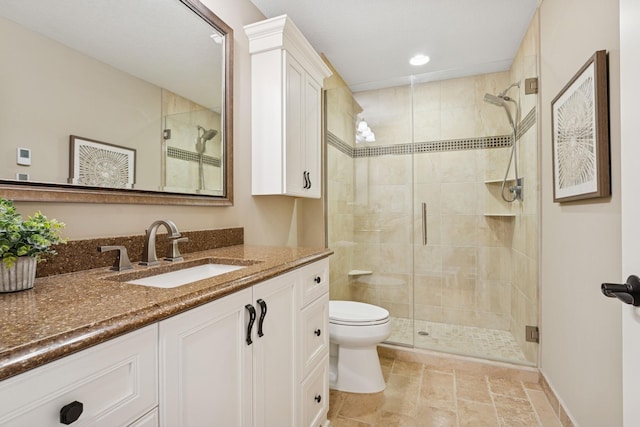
(458, 339)
(445, 395)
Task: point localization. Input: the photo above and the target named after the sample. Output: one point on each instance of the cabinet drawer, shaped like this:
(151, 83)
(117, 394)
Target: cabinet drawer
(115, 381)
(315, 395)
(314, 333)
(314, 281)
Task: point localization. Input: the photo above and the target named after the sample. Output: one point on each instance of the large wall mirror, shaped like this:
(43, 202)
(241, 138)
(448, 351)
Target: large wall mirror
(115, 101)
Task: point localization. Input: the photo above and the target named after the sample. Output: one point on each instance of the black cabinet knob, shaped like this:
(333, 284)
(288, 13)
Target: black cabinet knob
(317, 279)
(318, 398)
(71, 412)
(317, 332)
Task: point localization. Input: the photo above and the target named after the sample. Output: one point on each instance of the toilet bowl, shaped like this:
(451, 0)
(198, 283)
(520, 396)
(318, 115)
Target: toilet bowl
(355, 329)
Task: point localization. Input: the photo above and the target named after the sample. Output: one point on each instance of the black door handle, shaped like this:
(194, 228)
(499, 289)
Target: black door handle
(263, 313)
(309, 179)
(629, 293)
(252, 319)
(306, 180)
(317, 332)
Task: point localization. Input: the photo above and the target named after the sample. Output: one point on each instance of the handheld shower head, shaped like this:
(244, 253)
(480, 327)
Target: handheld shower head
(495, 100)
(207, 134)
(203, 138)
(501, 101)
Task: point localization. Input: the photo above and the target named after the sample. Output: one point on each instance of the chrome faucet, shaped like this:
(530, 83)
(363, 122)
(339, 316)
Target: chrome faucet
(149, 256)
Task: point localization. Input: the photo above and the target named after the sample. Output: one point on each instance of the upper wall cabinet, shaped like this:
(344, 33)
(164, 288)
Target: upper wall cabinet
(286, 86)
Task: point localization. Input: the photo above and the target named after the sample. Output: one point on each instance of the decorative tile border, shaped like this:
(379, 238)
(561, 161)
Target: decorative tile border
(179, 153)
(433, 146)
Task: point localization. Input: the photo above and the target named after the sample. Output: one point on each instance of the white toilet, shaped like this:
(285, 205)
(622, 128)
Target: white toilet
(355, 329)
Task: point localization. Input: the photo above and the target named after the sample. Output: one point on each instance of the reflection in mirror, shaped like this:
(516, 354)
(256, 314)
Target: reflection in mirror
(147, 83)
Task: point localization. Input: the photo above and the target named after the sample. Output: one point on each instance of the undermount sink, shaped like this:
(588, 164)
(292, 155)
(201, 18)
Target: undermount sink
(182, 277)
(182, 273)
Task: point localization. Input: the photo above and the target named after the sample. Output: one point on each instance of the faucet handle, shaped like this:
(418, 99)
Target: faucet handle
(175, 254)
(122, 259)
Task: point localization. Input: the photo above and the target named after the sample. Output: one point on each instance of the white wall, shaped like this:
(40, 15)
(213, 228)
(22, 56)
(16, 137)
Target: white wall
(271, 220)
(581, 241)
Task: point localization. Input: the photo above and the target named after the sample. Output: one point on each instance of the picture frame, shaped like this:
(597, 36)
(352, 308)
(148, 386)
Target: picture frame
(100, 164)
(580, 128)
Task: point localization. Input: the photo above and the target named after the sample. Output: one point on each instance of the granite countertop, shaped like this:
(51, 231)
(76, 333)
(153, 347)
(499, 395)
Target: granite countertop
(67, 313)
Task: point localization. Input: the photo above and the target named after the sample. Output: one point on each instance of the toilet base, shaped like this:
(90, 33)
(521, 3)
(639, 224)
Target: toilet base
(356, 370)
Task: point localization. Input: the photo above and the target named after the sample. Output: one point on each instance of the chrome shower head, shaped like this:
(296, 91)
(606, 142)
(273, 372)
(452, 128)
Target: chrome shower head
(501, 101)
(495, 100)
(206, 134)
(202, 139)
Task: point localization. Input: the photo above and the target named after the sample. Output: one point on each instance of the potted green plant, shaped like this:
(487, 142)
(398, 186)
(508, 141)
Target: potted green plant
(22, 243)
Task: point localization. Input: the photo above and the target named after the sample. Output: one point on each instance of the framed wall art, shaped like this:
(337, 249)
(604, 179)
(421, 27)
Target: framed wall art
(98, 164)
(580, 127)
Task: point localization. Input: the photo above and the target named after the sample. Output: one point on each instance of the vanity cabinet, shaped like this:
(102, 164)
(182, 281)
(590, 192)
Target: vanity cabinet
(255, 358)
(238, 361)
(286, 89)
(114, 384)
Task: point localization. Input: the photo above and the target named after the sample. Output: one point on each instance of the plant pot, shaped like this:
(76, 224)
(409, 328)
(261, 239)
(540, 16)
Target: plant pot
(20, 276)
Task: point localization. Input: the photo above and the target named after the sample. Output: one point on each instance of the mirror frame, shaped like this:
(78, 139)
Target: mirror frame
(64, 193)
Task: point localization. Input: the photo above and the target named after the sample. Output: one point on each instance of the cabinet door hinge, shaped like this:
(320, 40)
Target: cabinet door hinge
(532, 334)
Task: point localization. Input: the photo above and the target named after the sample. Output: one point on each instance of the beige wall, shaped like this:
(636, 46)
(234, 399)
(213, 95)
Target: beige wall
(580, 332)
(270, 220)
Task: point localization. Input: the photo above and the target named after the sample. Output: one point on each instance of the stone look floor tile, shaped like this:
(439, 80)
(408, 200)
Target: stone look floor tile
(437, 390)
(514, 412)
(507, 387)
(472, 387)
(474, 414)
(436, 417)
(425, 395)
(362, 407)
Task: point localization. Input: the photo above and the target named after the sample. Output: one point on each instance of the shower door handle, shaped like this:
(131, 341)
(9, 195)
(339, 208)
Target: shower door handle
(424, 224)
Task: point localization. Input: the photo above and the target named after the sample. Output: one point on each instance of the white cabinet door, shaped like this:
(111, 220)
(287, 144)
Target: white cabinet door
(303, 131)
(273, 352)
(313, 134)
(205, 365)
(295, 172)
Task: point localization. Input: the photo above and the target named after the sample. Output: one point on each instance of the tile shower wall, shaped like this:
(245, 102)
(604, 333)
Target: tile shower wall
(479, 267)
(341, 117)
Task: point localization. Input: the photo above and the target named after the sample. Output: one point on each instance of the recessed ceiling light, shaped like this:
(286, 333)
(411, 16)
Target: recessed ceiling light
(419, 59)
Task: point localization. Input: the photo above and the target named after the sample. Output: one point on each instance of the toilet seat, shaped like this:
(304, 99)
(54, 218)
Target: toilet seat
(352, 313)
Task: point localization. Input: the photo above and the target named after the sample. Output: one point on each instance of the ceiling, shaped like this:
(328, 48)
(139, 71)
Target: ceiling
(370, 42)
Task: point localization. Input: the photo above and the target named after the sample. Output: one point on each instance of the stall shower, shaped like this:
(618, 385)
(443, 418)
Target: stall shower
(416, 219)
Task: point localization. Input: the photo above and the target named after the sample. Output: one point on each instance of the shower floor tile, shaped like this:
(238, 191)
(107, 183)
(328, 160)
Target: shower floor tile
(466, 340)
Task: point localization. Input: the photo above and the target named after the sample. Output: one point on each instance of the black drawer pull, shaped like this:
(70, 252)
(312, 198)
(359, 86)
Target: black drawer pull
(71, 412)
(252, 319)
(318, 279)
(317, 332)
(318, 398)
(263, 313)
